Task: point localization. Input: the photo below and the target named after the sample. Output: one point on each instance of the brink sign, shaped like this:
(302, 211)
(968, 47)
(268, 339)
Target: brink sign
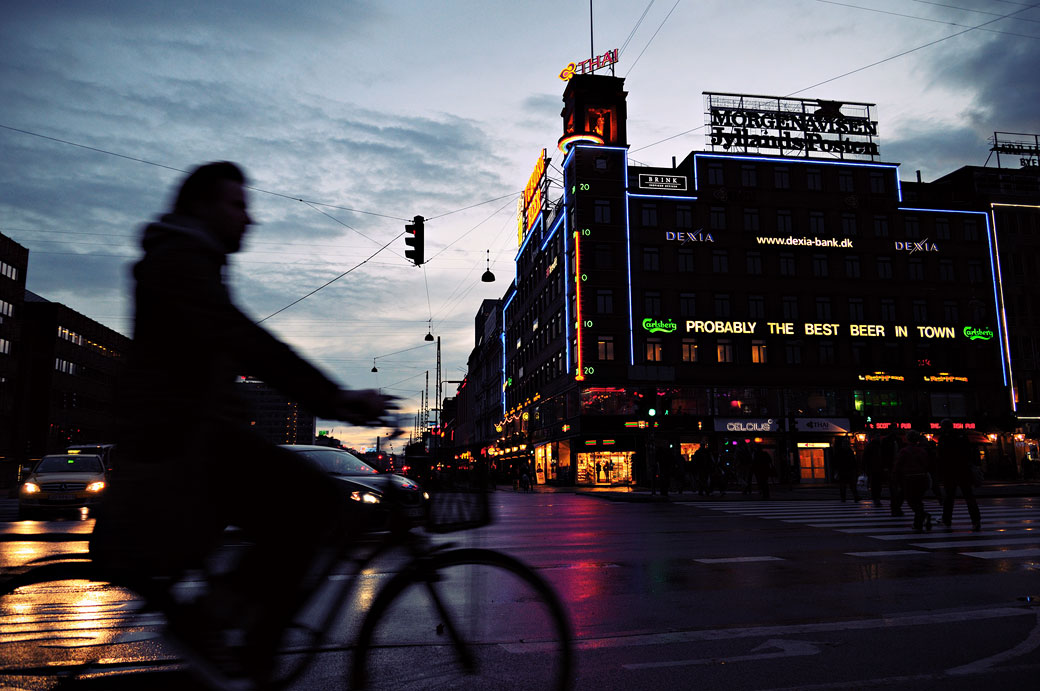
(791, 126)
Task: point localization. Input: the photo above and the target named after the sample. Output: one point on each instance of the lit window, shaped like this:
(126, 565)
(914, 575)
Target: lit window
(653, 350)
(758, 352)
(689, 350)
(605, 347)
(724, 350)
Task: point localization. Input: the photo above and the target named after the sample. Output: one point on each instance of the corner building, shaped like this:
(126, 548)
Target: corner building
(790, 301)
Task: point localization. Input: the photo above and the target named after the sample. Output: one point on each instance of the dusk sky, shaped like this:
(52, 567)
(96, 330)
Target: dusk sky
(373, 112)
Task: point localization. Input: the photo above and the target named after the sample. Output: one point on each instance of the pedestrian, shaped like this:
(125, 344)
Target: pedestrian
(910, 471)
(664, 469)
(745, 471)
(845, 468)
(190, 462)
(889, 448)
(762, 465)
(874, 465)
(703, 464)
(934, 478)
(955, 466)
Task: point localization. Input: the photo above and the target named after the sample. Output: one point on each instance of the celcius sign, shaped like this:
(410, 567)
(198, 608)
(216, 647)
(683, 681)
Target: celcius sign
(608, 59)
(659, 326)
(978, 334)
(530, 205)
(791, 125)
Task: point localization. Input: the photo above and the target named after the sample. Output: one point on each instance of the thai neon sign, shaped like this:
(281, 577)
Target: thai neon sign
(978, 334)
(608, 59)
(659, 326)
(528, 207)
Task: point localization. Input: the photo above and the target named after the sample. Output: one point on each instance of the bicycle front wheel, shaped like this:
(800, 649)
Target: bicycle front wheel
(465, 619)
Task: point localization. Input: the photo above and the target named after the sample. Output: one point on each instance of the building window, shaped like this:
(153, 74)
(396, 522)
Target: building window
(652, 303)
(6, 308)
(814, 179)
(689, 350)
(819, 265)
(782, 178)
(715, 174)
(971, 229)
(683, 217)
(721, 305)
(720, 261)
(915, 270)
(601, 211)
(950, 312)
(749, 176)
(859, 354)
(942, 229)
(823, 308)
(653, 350)
(603, 257)
(848, 225)
(651, 259)
(787, 265)
(649, 215)
(856, 310)
(884, 267)
(852, 266)
(751, 223)
(877, 182)
(912, 227)
(754, 263)
(605, 347)
(920, 311)
(845, 182)
(827, 353)
(5, 346)
(881, 226)
(605, 301)
(975, 274)
(793, 353)
(888, 310)
(756, 307)
(717, 218)
(816, 225)
(687, 304)
(758, 352)
(9, 271)
(783, 221)
(789, 304)
(724, 350)
(685, 259)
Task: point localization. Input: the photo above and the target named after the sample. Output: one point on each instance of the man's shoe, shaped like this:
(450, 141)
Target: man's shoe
(928, 523)
(976, 526)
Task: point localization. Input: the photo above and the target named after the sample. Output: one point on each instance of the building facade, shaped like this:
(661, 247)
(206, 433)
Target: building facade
(789, 300)
(14, 260)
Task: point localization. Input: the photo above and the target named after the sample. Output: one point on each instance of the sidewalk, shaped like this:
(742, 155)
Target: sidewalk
(777, 492)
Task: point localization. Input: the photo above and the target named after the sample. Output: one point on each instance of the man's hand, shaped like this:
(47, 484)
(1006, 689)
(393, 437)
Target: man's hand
(364, 407)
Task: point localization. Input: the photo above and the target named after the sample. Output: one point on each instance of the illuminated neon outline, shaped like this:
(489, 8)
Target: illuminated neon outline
(579, 371)
(528, 237)
(566, 290)
(568, 143)
(1003, 312)
(504, 321)
(628, 251)
(994, 271)
(660, 196)
(810, 161)
(553, 231)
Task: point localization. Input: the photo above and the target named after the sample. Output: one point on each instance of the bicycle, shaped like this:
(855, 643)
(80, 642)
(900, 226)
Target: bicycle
(453, 616)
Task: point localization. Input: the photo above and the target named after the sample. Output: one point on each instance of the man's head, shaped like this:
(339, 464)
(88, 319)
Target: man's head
(214, 194)
(946, 425)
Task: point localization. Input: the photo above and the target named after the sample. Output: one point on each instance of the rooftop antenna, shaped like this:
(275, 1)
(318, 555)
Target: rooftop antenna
(592, 48)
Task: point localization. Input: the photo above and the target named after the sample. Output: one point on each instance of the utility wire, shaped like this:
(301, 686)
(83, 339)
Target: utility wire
(621, 51)
(652, 38)
(928, 19)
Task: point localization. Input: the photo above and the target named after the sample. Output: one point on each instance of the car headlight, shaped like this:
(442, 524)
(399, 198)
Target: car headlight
(96, 486)
(30, 488)
(426, 496)
(365, 497)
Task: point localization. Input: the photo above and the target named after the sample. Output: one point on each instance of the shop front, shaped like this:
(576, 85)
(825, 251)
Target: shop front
(814, 440)
(605, 463)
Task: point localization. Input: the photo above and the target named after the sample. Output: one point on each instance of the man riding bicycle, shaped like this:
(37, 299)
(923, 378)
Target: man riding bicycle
(189, 463)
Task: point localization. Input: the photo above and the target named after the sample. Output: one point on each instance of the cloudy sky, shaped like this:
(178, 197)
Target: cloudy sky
(373, 112)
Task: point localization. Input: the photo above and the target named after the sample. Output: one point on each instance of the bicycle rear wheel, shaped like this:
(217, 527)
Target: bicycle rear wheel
(68, 622)
(465, 619)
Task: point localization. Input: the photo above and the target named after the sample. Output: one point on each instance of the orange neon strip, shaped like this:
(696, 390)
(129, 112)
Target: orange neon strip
(579, 374)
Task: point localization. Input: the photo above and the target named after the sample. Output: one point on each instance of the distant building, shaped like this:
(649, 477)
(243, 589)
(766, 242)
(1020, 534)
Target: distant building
(68, 367)
(278, 419)
(13, 262)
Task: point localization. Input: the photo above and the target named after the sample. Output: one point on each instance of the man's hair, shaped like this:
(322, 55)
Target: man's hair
(203, 183)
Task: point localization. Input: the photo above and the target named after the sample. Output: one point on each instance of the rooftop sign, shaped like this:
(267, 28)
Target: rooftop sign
(791, 126)
(608, 59)
(1025, 146)
(530, 205)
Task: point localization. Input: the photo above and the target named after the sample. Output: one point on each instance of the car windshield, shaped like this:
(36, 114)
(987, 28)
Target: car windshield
(69, 464)
(339, 462)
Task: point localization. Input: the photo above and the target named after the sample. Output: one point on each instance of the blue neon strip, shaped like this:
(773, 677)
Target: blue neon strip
(552, 232)
(527, 237)
(803, 161)
(1005, 361)
(566, 276)
(628, 250)
(660, 196)
(503, 365)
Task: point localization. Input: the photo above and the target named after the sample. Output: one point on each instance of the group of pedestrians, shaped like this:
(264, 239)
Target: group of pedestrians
(946, 466)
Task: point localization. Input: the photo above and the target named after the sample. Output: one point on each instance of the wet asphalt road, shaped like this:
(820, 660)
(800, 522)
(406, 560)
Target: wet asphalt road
(753, 595)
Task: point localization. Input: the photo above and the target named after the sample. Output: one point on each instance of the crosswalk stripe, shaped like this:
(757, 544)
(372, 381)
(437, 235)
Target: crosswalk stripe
(1004, 554)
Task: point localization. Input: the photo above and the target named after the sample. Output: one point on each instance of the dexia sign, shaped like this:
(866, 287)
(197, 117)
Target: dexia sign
(659, 326)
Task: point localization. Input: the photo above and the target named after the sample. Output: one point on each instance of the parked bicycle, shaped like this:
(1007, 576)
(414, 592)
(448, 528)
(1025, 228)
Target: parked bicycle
(443, 617)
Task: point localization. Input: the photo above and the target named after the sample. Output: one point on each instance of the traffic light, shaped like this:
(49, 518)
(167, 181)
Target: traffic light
(415, 241)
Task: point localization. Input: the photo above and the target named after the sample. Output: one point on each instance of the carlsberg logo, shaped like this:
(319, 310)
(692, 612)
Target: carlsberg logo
(978, 334)
(656, 325)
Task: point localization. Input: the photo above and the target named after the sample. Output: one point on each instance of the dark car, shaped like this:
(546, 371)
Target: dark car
(366, 484)
(62, 481)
